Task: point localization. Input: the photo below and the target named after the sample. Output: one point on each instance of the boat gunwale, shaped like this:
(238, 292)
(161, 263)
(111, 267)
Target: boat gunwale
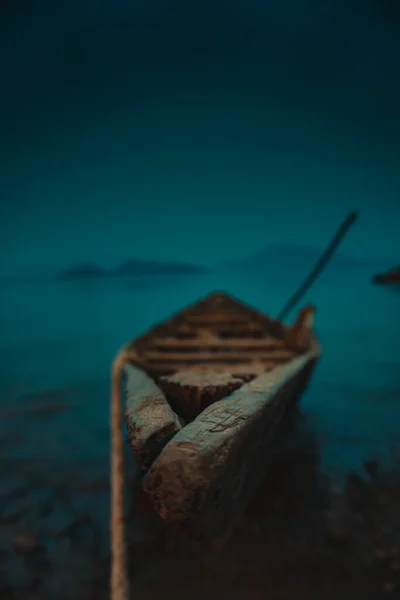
(135, 397)
(206, 442)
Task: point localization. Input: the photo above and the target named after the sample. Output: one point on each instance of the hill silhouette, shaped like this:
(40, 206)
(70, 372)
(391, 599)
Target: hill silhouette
(292, 256)
(128, 268)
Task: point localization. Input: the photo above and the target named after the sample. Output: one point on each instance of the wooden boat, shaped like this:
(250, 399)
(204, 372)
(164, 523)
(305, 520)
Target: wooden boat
(391, 277)
(206, 391)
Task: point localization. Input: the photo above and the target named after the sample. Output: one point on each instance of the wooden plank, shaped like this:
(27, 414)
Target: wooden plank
(225, 329)
(172, 367)
(247, 369)
(204, 356)
(213, 342)
(218, 318)
(243, 370)
(185, 331)
(149, 418)
(204, 478)
(219, 332)
(190, 392)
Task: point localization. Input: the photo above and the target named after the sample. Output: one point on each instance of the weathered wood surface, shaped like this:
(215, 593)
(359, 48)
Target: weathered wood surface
(149, 418)
(300, 334)
(190, 392)
(215, 343)
(216, 331)
(203, 479)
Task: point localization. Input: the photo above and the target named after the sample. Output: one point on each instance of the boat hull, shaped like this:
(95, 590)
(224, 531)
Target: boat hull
(204, 477)
(149, 418)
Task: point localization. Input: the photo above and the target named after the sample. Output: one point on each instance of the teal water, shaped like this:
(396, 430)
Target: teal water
(63, 337)
(203, 132)
(200, 132)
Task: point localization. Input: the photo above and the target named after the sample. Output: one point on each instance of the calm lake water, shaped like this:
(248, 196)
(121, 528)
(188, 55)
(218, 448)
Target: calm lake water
(64, 337)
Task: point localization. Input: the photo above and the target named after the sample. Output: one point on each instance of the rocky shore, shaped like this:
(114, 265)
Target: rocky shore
(301, 536)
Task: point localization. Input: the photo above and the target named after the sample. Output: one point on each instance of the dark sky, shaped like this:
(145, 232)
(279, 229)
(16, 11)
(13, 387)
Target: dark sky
(199, 130)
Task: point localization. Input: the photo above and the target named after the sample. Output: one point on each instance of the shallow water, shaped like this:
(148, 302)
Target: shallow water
(62, 338)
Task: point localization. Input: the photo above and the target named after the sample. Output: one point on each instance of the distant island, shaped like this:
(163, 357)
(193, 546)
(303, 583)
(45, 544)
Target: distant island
(286, 257)
(129, 268)
(151, 267)
(391, 277)
(79, 272)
